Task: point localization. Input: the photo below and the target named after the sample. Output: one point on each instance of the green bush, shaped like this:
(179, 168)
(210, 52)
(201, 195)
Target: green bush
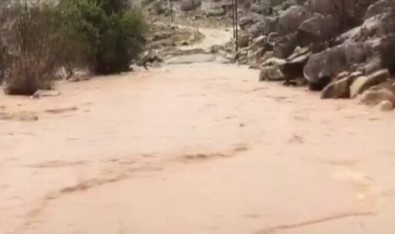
(37, 39)
(111, 34)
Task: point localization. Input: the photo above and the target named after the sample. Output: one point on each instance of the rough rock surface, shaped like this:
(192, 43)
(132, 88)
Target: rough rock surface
(189, 5)
(363, 83)
(271, 73)
(374, 97)
(337, 89)
(385, 105)
(290, 19)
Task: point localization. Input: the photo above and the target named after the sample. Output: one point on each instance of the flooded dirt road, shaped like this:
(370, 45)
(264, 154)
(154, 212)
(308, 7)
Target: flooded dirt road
(200, 148)
(197, 148)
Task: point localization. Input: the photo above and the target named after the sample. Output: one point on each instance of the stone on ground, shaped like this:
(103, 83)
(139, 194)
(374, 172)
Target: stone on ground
(363, 83)
(337, 89)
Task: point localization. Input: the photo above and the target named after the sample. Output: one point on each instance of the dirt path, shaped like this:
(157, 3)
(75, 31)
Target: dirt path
(200, 148)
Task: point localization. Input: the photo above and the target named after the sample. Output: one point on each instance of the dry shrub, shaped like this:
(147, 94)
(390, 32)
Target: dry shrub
(39, 38)
(32, 45)
(27, 74)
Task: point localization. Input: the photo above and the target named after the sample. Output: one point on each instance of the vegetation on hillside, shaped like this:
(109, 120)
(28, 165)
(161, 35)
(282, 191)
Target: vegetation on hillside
(37, 39)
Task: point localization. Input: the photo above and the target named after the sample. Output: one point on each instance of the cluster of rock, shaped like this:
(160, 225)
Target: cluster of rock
(219, 10)
(333, 46)
(167, 39)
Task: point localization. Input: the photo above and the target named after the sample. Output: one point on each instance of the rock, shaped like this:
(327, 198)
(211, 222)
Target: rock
(263, 27)
(355, 53)
(258, 8)
(215, 12)
(337, 89)
(259, 41)
(374, 97)
(377, 8)
(271, 73)
(244, 40)
(385, 106)
(270, 60)
(342, 75)
(293, 67)
(248, 20)
(315, 29)
(372, 64)
(322, 67)
(352, 11)
(323, 7)
(158, 8)
(389, 85)
(370, 28)
(216, 48)
(253, 56)
(242, 56)
(273, 37)
(355, 74)
(266, 56)
(262, 8)
(45, 93)
(189, 5)
(290, 19)
(161, 35)
(363, 83)
(285, 46)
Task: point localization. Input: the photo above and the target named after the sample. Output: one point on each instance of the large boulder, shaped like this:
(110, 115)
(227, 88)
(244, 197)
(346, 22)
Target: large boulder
(290, 19)
(363, 83)
(189, 5)
(316, 28)
(322, 67)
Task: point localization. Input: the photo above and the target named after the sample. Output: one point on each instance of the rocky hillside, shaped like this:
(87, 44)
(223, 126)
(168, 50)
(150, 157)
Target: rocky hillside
(343, 48)
(333, 46)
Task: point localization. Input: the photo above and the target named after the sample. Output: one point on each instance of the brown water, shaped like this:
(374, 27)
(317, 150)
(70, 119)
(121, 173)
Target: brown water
(200, 148)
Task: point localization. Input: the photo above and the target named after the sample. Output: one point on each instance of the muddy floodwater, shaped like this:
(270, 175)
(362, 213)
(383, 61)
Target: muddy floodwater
(200, 148)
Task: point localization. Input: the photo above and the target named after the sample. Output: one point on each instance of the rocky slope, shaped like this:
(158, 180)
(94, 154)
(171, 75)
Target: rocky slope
(331, 46)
